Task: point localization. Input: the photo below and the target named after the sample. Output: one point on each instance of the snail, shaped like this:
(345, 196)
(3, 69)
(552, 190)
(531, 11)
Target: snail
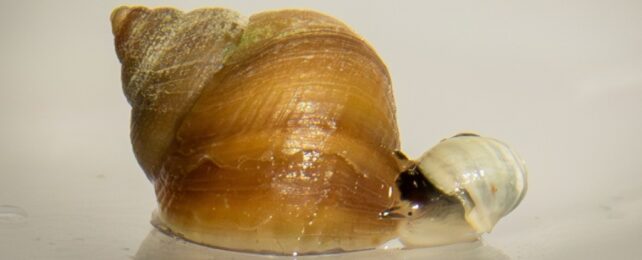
(278, 134)
(458, 190)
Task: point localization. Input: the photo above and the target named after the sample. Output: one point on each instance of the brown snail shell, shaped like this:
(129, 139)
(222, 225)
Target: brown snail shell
(274, 134)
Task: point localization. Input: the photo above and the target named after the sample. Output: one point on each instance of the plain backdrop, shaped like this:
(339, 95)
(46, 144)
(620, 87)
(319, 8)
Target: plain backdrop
(561, 81)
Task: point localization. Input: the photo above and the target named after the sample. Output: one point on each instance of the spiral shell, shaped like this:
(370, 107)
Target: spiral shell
(274, 134)
(460, 189)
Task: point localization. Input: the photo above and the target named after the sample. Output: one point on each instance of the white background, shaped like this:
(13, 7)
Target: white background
(561, 81)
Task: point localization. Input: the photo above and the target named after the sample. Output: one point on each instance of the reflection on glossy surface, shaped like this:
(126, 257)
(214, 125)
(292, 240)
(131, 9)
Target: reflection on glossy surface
(12, 214)
(158, 245)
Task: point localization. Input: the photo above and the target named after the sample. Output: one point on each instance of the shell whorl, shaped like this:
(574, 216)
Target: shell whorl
(279, 130)
(167, 57)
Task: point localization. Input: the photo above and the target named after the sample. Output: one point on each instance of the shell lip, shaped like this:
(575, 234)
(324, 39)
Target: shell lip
(474, 215)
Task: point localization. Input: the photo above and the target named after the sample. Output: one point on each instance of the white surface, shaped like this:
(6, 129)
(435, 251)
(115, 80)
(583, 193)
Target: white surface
(559, 81)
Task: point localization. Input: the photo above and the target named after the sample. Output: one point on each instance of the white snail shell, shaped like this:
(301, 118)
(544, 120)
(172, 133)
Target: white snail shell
(478, 181)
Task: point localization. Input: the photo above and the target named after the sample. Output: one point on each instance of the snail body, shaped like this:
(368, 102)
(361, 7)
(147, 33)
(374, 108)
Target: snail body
(269, 135)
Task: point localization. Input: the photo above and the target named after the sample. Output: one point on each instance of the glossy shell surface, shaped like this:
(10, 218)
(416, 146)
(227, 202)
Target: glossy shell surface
(486, 175)
(274, 134)
(470, 182)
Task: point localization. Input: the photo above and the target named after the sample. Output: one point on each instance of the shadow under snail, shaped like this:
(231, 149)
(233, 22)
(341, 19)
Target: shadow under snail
(277, 134)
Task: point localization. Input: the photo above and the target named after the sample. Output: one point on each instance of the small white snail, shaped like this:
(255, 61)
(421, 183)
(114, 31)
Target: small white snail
(458, 190)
